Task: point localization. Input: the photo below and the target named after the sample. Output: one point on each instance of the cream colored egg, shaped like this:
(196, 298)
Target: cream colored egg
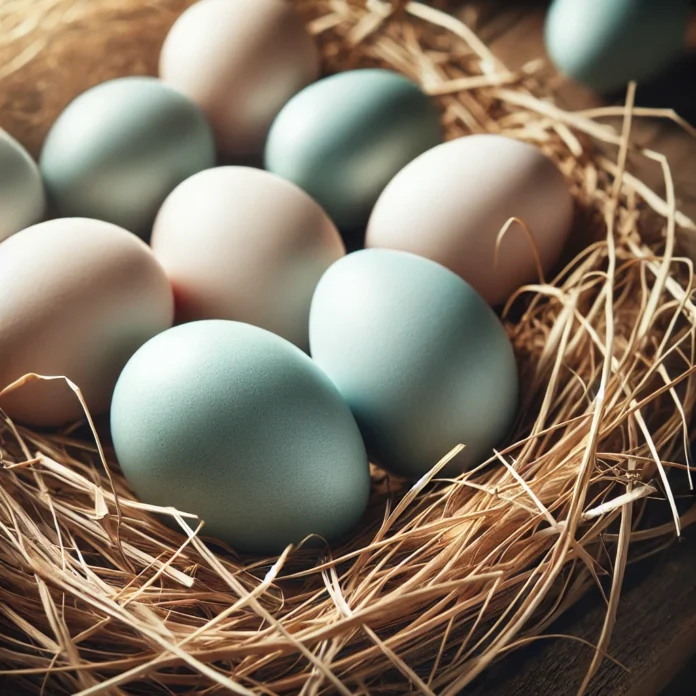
(450, 204)
(243, 244)
(77, 298)
(240, 61)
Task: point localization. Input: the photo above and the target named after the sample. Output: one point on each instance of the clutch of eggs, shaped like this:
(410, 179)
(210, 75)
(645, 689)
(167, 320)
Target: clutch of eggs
(222, 415)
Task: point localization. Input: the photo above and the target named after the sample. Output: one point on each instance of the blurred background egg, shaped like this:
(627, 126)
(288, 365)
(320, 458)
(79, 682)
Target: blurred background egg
(420, 358)
(450, 204)
(22, 198)
(240, 427)
(77, 298)
(606, 43)
(120, 148)
(240, 60)
(343, 138)
(241, 243)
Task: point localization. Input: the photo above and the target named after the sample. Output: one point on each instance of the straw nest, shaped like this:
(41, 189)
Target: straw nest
(97, 595)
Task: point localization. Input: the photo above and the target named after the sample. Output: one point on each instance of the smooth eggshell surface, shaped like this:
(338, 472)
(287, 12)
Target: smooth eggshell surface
(241, 243)
(22, 199)
(450, 204)
(77, 298)
(240, 60)
(343, 138)
(240, 427)
(605, 44)
(420, 358)
(119, 149)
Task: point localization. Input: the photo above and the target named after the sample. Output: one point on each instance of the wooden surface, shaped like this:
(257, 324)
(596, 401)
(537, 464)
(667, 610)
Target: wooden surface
(654, 638)
(655, 633)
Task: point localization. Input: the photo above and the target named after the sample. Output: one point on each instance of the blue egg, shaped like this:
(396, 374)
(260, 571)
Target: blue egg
(422, 360)
(238, 426)
(119, 149)
(606, 43)
(342, 139)
(22, 199)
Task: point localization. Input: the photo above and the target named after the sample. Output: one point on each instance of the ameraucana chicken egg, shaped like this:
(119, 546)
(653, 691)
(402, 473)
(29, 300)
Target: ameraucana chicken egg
(343, 138)
(119, 149)
(22, 199)
(421, 359)
(238, 426)
(605, 44)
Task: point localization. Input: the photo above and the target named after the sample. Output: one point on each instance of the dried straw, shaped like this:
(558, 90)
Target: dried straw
(97, 595)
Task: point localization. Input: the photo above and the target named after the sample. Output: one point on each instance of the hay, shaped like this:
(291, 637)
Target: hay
(97, 595)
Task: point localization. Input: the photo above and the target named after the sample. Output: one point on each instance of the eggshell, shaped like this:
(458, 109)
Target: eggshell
(240, 427)
(241, 243)
(450, 204)
(77, 298)
(240, 60)
(420, 358)
(119, 149)
(606, 44)
(343, 138)
(22, 200)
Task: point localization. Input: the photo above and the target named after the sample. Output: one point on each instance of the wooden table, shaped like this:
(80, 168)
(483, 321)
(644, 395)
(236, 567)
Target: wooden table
(655, 633)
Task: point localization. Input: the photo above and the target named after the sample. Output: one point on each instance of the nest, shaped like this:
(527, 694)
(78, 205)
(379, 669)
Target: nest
(99, 595)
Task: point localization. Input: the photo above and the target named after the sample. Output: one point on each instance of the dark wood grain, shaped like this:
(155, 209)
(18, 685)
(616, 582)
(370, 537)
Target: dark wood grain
(654, 637)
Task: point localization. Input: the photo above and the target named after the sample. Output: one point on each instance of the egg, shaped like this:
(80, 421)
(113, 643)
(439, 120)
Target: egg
(22, 199)
(119, 149)
(236, 425)
(606, 44)
(451, 203)
(240, 60)
(241, 243)
(343, 138)
(420, 358)
(77, 298)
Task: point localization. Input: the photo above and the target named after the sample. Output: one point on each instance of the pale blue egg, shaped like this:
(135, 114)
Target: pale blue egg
(606, 43)
(422, 360)
(343, 138)
(238, 426)
(119, 149)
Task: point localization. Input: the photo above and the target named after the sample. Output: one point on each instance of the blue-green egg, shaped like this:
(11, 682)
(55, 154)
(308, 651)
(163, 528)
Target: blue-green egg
(343, 138)
(422, 360)
(606, 43)
(238, 426)
(22, 199)
(119, 149)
